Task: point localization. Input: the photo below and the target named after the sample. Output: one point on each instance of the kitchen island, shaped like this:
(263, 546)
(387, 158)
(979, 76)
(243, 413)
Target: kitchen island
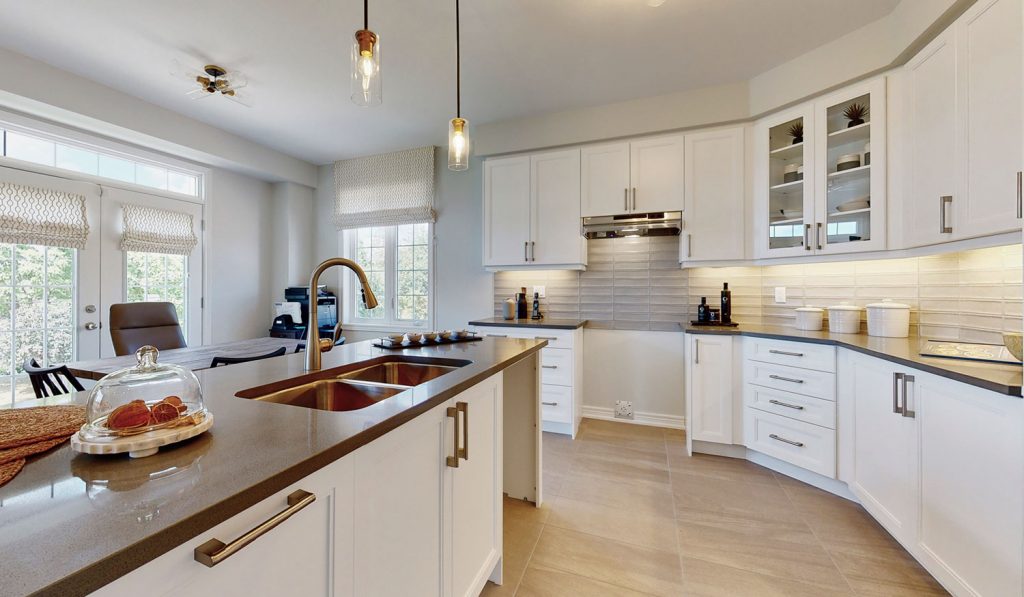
(73, 523)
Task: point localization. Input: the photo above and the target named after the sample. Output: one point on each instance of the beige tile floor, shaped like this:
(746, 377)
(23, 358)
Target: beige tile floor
(627, 512)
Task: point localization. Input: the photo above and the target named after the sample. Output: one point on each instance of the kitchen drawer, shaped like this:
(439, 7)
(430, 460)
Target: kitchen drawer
(791, 379)
(556, 403)
(819, 357)
(794, 406)
(808, 446)
(555, 338)
(556, 366)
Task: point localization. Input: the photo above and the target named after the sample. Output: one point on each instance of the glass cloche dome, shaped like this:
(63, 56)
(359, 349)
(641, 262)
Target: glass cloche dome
(143, 398)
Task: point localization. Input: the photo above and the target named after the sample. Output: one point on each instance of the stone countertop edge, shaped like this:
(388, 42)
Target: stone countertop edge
(550, 324)
(92, 577)
(981, 377)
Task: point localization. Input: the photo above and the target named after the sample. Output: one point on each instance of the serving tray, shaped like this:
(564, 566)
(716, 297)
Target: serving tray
(143, 444)
(385, 343)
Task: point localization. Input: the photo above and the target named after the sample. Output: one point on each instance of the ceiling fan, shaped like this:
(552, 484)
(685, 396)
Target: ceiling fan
(213, 80)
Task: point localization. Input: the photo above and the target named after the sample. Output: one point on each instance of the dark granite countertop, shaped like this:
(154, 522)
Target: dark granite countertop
(551, 324)
(70, 523)
(1004, 379)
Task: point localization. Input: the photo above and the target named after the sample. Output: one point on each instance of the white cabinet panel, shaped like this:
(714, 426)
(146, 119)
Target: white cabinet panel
(604, 179)
(656, 174)
(507, 211)
(556, 366)
(817, 384)
(556, 403)
(802, 444)
(555, 338)
(709, 367)
(714, 206)
(787, 404)
(555, 209)
(805, 355)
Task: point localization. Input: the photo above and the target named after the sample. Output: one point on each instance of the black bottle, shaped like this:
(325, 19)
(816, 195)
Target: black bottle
(536, 307)
(702, 310)
(521, 308)
(726, 304)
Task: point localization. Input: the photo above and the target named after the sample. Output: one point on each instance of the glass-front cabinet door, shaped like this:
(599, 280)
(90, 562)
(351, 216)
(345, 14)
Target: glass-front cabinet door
(784, 183)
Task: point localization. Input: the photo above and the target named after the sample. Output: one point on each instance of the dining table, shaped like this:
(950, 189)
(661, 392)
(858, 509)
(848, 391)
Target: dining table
(194, 358)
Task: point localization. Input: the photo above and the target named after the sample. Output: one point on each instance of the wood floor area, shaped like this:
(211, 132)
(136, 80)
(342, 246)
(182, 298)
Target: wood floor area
(627, 512)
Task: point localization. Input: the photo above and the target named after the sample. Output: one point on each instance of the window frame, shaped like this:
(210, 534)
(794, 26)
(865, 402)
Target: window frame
(350, 288)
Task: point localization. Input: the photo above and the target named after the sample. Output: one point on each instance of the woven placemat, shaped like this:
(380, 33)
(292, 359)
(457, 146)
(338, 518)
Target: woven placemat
(21, 426)
(21, 452)
(10, 470)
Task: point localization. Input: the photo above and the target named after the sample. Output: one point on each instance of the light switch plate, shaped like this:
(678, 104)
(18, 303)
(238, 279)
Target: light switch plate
(780, 294)
(539, 290)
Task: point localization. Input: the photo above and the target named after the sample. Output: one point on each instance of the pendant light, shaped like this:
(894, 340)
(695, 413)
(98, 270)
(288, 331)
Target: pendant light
(366, 64)
(458, 128)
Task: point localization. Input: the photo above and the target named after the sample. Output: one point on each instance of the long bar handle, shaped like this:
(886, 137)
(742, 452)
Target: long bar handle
(549, 403)
(463, 452)
(496, 335)
(896, 379)
(689, 245)
(807, 237)
(786, 404)
(696, 351)
(786, 441)
(453, 461)
(785, 352)
(526, 250)
(214, 551)
(943, 202)
(552, 338)
(910, 414)
(634, 199)
(549, 366)
(817, 236)
(625, 199)
(789, 379)
(1020, 194)
(533, 251)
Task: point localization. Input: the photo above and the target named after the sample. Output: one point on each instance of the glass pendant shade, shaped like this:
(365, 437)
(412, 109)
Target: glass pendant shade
(366, 68)
(458, 144)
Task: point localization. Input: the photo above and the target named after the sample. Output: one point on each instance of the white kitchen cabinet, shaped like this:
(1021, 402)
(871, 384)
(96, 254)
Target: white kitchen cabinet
(709, 388)
(604, 179)
(532, 211)
(971, 472)
(640, 176)
(884, 475)
(713, 197)
(507, 210)
(828, 210)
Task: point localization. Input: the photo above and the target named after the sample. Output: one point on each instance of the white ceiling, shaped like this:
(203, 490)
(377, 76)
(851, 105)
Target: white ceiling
(520, 57)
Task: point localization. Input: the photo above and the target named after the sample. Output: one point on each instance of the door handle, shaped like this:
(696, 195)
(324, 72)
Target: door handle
(634, 198)
(807, 237)
(214, 552)
(786, 404)
(786, 441)
(817, 236)
(463, 452)
(549, 403)
(907, 412)
(896, 379)
(943, 202)
(533, 251)
(91, 326)
(526, 250)
(453, 461)
(789, 379)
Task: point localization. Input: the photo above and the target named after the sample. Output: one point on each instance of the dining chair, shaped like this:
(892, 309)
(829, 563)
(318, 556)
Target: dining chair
(134, 325)
(218, 361)
(46, 381)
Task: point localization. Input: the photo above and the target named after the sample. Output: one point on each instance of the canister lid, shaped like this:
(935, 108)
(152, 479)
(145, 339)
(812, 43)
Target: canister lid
(810, 310)
(844, 307)
(888, 304)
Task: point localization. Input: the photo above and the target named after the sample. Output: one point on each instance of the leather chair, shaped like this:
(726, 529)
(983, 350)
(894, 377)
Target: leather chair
(134, 325)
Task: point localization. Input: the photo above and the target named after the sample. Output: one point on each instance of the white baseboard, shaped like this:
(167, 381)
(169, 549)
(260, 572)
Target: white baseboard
(652, 419)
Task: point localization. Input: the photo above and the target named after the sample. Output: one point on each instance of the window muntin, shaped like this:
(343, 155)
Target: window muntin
(397, 261)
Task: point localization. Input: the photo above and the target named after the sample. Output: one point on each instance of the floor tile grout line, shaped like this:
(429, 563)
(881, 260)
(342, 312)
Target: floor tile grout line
(529, 558)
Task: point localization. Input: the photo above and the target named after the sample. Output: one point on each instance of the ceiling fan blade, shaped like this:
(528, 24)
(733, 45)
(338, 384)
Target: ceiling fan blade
(177, 69)
(199, 94)
(239, 99)
(236, 79)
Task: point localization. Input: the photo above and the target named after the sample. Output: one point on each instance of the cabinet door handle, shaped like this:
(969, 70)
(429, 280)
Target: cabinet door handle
(549, 366)
(214, 552)
(896, 379)
(807, 237)
(634, 199)
(786, 441)
(463, 452)
(789, 379)
(689, 245)
(549, 403)
(1020, 194)
(785, 352)
(453, 461)
(625, 199)
(496, 335)
(786, 404)
(533, 251)
(943, 202)
(817, 236)
(907, 412)
(526, 250)
(552, 338)
(696, 351)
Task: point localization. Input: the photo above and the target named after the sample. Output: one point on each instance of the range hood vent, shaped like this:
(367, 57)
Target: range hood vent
(659, 223)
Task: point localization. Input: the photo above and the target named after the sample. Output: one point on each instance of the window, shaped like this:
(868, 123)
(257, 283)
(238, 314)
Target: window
(56, 153)
(397, 261)
(36, 313)
(158, 277)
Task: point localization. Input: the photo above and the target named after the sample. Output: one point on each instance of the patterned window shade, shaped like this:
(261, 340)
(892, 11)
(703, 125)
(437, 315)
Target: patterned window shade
(36, 216)
(151, 230)
(387, 189)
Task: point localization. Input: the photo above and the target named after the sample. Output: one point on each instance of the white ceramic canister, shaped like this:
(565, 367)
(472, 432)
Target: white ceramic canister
(844, 319)
(889, 319)
(809, 318)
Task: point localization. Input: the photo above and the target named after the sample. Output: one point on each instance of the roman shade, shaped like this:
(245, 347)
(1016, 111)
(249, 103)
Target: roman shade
(152, 230)
(36, 216)
(385, 190)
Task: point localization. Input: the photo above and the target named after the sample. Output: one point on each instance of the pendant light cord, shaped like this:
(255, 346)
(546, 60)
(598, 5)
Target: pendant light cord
(366, 14)
(458, 66)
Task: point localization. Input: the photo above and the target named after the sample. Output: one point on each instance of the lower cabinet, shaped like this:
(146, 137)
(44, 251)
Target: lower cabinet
(709, 385)
(418, 511)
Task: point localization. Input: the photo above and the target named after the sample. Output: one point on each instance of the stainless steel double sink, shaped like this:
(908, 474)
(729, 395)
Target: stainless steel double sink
(354, 386)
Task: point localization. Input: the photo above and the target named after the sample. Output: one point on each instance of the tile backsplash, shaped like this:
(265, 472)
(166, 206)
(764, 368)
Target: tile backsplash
(636, 283)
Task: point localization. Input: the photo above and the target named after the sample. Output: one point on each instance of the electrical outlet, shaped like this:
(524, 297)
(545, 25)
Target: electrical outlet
(539, 290)
(780, 294)
(623, 409)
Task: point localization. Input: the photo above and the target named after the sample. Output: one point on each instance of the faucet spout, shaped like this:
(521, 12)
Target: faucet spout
(314, 345)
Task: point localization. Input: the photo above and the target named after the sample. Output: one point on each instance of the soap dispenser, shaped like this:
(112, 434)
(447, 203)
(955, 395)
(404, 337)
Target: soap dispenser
(726, 304)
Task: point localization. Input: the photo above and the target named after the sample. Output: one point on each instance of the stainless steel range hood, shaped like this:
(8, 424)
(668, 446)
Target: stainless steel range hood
(658, 223)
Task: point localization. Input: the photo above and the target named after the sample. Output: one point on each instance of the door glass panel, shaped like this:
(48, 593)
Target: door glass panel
(37, 315)
(158, 277)
(786, 188)
(848, 163)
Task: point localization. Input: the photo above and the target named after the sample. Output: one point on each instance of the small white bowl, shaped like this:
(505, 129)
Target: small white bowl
(396, 338)
(414, 338)
(430, 336)
(446, 335)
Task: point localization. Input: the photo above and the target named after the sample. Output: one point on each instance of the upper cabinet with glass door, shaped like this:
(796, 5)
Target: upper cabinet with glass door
(820, 175)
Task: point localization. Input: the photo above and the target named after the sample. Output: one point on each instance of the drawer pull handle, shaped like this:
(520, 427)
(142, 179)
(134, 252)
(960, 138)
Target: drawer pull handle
(214, 551)
(552, 338)
(549, 403)
(786, 353)
(787, 405)
(786, 441)
(789, 379)
(549, 366)
(463, 452)
(497, 335)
